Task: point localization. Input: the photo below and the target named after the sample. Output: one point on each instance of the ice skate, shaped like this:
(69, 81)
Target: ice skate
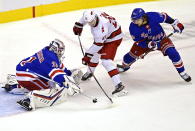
(86, 76)
(185, 76)
(122, 68)
(119, 90)
(25, 103)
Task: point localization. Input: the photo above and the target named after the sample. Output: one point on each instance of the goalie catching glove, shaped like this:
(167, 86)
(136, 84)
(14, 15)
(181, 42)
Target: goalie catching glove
(76, 75)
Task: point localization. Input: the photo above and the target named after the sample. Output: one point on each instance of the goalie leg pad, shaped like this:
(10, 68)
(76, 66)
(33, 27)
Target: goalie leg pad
(47, 97)
(12, 86)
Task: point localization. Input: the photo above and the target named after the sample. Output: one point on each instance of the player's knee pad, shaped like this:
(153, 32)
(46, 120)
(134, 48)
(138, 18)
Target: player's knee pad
(173, 54)
(128, 59)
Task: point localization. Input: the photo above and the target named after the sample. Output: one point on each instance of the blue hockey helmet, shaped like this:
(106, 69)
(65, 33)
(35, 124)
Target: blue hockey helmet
(137, 13)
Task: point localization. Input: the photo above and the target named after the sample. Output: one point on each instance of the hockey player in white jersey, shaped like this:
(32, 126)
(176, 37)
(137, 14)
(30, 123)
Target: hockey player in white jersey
(45, 77)
(107, 37)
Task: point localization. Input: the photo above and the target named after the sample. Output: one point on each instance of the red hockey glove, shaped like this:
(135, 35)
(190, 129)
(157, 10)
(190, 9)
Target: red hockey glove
(78, 28)
(86, 59)
(177, 26)
(153, 45)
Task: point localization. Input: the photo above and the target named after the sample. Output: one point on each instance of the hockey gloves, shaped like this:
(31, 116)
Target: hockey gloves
(86, 59)
(177, 26)
(77, 75)
(78, 28)
(153, 45)
(72, 88)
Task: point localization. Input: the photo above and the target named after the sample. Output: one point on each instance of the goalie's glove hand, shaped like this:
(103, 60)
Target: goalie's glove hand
(78, 28)
(77, 75)
(72, 88)
(153, 45)
(86, 59)
(177, 26)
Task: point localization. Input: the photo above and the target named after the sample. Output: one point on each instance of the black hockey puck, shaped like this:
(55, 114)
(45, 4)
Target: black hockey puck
(94, 100)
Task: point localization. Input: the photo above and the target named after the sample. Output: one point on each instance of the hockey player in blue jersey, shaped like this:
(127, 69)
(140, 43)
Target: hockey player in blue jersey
(148, 34)
(44, 76)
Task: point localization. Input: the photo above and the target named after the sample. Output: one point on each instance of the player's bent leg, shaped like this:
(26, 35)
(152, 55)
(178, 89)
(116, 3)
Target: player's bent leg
(114, 74)
(178, 63)
(130, 57)
(31, 81)
(49, 97)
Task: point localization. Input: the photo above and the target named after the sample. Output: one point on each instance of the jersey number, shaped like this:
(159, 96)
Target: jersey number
(31, 59)
(111, 19)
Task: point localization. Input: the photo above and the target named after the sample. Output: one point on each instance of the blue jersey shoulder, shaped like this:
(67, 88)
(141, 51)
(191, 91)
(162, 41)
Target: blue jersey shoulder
(155, 17)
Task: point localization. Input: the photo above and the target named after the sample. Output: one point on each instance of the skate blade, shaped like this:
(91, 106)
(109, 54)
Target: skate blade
(121, 93)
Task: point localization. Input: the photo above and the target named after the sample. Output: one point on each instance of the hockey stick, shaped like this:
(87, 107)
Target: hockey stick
(94, 100)
(93, 74)
(143, 55)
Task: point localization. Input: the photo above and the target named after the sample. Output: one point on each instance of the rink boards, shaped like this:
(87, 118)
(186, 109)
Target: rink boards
(69, 5)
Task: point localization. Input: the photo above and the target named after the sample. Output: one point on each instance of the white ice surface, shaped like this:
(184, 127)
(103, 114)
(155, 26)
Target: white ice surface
(158, 99)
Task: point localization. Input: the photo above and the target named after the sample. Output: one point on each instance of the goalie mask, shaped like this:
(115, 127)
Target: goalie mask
(57, 47)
